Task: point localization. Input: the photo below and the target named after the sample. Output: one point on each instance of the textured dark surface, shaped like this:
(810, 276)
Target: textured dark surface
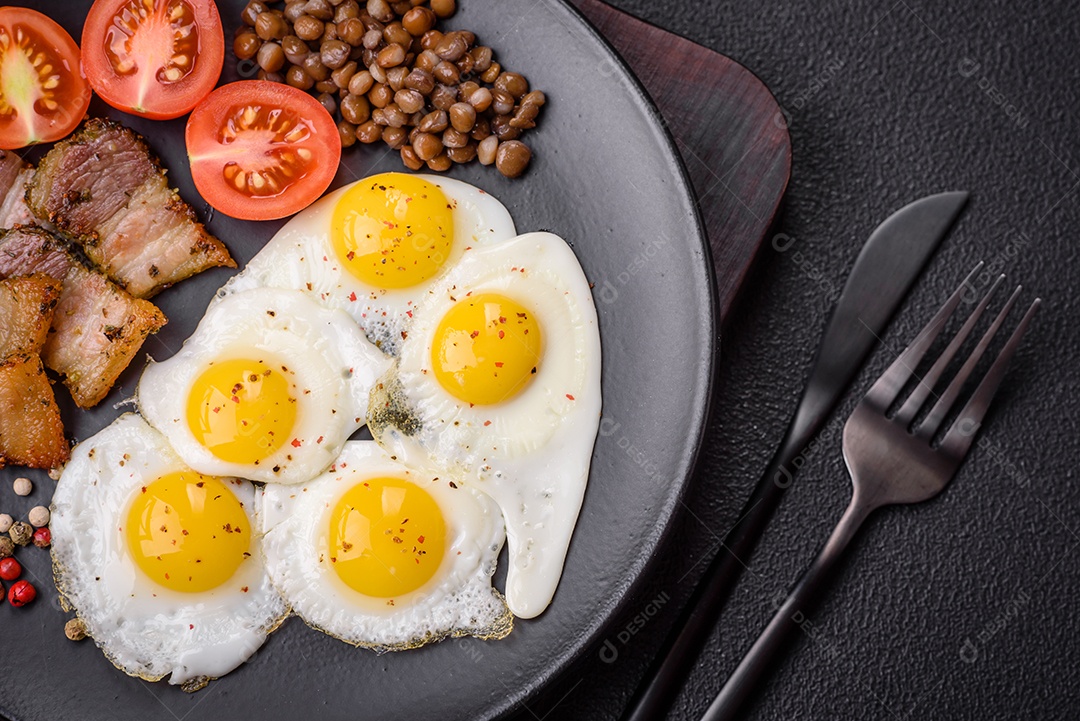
(885, 106)
(961, 608)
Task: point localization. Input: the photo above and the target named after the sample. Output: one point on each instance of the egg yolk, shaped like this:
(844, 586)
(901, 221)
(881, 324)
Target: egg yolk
(188, 532)
(242, 410)
(393, 230)
(486, 349)
(387, 537)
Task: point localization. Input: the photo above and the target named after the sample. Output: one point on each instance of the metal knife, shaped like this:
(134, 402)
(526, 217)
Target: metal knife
(890, 261)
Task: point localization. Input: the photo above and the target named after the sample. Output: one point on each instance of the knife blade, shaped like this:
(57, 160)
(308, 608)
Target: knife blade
(890, 261)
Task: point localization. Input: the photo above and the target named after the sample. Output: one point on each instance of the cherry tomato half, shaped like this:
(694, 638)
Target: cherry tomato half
(43, 94)
(154, 58)
(261, 150)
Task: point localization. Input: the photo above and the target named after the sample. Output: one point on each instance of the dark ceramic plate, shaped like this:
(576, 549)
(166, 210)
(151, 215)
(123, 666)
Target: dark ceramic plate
(607, 178)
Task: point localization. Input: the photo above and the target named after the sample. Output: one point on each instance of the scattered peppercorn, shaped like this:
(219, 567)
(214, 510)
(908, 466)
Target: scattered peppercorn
(21, 593)
(42, 537)
(75, 629)
(38, 516)
(10, 569)
(5, 522)
(22, 486)
(7, 547)
(21, 533)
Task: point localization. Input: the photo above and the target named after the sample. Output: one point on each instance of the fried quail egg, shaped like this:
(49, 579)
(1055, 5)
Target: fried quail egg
(498, 383)
(268, 387)
(383, 557)
(373, 248)
(161, 563)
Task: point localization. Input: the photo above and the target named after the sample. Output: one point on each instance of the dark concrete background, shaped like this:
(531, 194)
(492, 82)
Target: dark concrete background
(964, 607)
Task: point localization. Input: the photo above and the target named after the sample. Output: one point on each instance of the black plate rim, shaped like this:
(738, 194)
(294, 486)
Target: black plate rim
(663, 528)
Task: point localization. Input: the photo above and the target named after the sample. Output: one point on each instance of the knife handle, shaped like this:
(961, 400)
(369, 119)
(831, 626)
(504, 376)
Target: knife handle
(672, 664)
(789, 618)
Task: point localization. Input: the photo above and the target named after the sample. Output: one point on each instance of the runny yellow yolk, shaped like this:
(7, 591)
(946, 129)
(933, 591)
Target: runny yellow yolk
(187, 532)
(387, 537)
(486, 349)
(393, 230)
(242, 410)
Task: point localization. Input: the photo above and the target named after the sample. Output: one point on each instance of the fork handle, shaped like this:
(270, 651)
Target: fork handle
(790, 616)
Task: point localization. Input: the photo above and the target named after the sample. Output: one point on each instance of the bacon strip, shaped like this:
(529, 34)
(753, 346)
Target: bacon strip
(14, 174)
(103, 189)
(97, 327)
(26, 312)
(31, 432)
(10, 166)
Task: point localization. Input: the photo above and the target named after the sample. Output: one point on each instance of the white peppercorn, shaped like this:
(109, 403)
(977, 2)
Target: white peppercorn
(38, 516)
(22, 486)
(5, 522)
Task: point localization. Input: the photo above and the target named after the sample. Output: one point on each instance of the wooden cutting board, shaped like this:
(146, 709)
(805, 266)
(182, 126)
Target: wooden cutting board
(728, 127)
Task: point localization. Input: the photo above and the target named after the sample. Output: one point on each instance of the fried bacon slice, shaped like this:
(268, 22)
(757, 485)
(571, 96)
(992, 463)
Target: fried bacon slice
(10, 167)
(31, 432)
(26, 312)
(104, 189)
(15, 173)
(13, 209)
(97, 326)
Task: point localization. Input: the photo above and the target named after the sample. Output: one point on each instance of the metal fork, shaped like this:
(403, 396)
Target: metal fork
(891, 461)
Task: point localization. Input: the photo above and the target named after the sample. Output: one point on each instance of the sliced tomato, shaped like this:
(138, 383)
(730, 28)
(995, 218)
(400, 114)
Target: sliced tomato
(154, 58)
(43, 94)
(261, 150)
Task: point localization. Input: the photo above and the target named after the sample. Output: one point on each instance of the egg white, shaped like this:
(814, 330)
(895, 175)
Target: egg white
(329, 357)
(531, 453)
(301, 256)
(144, 629)
(459, 600)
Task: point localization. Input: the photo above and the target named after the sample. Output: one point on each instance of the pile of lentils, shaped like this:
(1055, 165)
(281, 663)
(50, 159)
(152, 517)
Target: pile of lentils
(385, 71)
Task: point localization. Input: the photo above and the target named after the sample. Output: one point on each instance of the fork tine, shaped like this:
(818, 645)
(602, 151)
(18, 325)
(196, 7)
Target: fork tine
(929, 425)
(926, 384)
(888, 386)
(958, 439)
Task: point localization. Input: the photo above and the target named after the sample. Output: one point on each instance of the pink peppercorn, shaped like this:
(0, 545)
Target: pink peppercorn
(21, 593)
